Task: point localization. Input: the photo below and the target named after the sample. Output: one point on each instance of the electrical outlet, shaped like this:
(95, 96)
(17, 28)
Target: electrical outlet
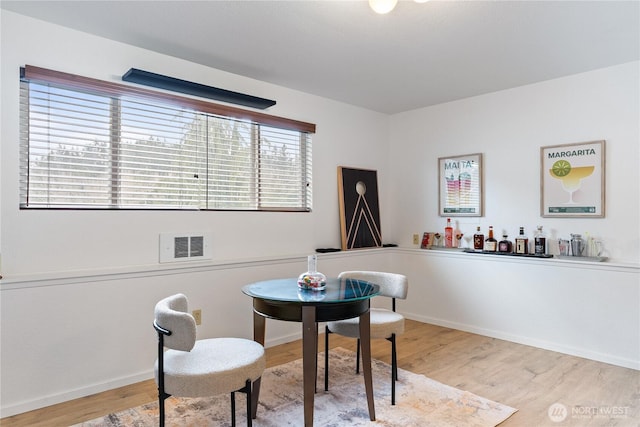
(197, 315)
(416, 239)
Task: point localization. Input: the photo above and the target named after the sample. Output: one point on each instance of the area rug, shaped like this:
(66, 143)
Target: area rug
(420, 402)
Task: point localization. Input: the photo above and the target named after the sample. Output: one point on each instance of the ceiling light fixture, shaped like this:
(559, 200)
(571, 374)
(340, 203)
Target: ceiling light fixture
(382, 6)
(386, 6)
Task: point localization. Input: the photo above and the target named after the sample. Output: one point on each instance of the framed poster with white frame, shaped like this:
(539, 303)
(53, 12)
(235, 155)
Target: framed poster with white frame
(460, 185)
(572, 180)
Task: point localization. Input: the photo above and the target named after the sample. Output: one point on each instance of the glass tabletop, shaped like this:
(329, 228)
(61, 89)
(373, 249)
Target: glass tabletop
(337, 290)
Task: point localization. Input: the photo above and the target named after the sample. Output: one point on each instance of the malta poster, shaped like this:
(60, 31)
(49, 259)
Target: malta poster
(460, 185)
(572, 180)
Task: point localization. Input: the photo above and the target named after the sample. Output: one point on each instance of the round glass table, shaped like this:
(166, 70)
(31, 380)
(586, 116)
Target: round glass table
(282, 299)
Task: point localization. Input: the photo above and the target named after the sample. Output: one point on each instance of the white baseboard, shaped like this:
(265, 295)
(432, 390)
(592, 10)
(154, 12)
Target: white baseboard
(54, 399)
(41, 402)
(30, 405)
(519, 339)
(283, 339)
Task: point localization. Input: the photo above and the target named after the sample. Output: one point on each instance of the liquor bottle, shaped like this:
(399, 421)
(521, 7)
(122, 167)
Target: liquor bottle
(448, 234)
(522, 243)
(478, 240)
(540, 242)
(504, 245)
(490, 243)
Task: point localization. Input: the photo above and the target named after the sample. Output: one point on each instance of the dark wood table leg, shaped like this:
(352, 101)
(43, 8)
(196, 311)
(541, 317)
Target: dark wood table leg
(315, 381)
(259, 326)
(365, 343)
(309, 360)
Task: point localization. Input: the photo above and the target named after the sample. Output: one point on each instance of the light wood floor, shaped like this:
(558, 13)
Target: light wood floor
(526, 378)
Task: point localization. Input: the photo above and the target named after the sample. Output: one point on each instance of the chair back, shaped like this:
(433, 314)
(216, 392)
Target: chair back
(392, 285)
(172, 314)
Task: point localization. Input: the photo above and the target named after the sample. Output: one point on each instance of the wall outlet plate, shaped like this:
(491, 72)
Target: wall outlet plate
(197, 316)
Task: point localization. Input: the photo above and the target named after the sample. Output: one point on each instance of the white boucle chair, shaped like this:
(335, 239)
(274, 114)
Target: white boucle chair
(384, 323)
(199, 368)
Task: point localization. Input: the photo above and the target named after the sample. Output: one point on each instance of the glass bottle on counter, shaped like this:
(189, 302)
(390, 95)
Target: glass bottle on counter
(490, 243)
(504, 245)
(478, 240)
(540, 242)
(522, 243)
(448, 234)
(457, 236)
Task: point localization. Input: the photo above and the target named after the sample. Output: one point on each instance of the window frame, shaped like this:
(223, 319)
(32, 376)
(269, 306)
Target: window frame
(38, 75)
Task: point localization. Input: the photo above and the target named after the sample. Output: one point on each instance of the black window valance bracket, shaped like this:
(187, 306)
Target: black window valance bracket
(160, 81)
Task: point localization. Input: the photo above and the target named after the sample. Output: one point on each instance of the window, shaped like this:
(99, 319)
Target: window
(88, 144)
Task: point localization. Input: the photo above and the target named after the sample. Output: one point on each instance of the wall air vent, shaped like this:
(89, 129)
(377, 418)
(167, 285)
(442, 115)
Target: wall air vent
(177, 247)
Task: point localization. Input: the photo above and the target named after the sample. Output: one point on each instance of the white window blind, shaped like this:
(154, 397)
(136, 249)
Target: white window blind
(84, 148)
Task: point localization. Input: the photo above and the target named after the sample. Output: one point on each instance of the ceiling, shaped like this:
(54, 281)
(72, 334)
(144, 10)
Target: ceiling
(417, 55)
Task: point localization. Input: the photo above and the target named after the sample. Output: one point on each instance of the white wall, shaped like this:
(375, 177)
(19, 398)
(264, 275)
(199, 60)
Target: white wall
(64, 339)
(60, 241)
(79, 287)
(509, 127)
(589, 310)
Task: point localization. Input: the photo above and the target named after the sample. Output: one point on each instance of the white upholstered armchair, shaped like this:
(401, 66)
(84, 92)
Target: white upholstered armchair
(198, 368)
(385, 323)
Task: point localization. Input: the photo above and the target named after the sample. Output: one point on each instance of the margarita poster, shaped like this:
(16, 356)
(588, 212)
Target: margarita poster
(572, 180)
